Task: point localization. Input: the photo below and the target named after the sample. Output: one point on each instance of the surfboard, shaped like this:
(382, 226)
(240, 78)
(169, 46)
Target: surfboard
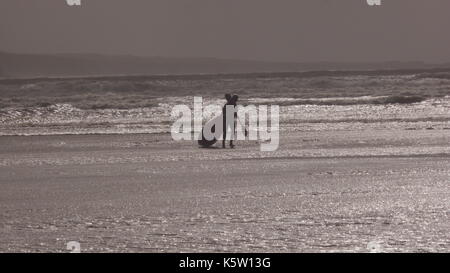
(205, 143)
(210, 125)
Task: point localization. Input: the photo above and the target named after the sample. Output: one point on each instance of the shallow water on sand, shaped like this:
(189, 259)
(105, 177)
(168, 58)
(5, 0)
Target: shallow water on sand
(319, 192)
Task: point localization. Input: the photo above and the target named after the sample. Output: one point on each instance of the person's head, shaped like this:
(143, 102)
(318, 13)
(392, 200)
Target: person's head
(231, 99)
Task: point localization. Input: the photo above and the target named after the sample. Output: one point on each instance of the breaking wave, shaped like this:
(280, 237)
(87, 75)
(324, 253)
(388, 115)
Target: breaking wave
(348, 101)
(436, 75)
(144, 104)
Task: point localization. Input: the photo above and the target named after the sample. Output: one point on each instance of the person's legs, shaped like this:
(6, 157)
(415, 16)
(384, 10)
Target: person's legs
(224, 130)
(233, 134)
(228, 125)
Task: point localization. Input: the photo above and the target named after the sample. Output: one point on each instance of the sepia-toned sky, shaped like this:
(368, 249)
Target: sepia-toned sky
(275, 30)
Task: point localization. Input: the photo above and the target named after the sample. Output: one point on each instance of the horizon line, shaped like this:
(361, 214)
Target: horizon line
(221, 58)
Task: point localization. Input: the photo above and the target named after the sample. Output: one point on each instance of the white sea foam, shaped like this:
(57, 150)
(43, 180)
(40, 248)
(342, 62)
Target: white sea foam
(129, 105)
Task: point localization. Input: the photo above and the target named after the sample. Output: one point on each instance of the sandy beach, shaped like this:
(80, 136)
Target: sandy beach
(320, 192)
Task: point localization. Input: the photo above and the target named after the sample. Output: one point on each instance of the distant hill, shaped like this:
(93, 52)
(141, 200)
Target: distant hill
(13, 65)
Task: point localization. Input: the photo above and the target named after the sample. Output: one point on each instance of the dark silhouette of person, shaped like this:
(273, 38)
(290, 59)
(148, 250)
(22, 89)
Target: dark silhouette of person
(227, 123)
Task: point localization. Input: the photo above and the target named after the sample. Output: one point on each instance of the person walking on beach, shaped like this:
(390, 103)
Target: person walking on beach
(229, 123)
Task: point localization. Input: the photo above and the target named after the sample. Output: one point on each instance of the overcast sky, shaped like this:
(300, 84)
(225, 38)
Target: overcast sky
(278, 30)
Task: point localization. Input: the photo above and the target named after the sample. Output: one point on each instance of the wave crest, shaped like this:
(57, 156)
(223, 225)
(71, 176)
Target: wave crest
(398, 99)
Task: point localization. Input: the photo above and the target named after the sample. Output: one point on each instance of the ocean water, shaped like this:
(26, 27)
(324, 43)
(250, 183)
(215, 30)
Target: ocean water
(308, 102)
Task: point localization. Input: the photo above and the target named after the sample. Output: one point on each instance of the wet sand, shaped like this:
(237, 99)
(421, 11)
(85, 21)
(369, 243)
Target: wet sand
(320, 192)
